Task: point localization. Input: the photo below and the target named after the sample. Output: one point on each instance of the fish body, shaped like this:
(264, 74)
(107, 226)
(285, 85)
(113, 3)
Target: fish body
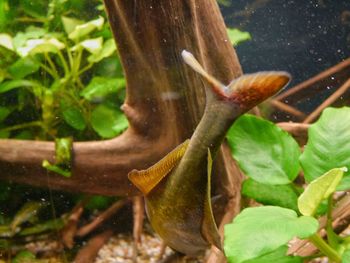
(177, 188)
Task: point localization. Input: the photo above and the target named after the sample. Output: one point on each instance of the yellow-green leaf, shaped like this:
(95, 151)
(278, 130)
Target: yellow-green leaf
(318, 190)
(85, 29)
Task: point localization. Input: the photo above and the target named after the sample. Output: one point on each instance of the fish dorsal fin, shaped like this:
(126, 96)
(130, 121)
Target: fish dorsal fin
(146, 180)
(209, 229)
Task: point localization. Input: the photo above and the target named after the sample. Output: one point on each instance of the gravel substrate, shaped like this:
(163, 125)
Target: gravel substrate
(120, 249)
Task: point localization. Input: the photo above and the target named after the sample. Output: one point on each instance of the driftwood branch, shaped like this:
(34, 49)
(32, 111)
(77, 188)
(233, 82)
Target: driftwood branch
(164, 101)
(332, 83)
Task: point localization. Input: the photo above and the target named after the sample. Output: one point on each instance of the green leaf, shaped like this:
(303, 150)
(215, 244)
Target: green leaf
(14, 84)
(85, 29)
(107, 50)
(93, 45)
(24, 256)
(108, 122)
(237, 36)
(4, 112)
(70, 23)
(23, 67)
(63, 156)
(74, 117)
(6, 41)
(99, 202)
(53, 224)
(25, 214)
(278, 256)
(36, 9)
(261, 230)
(328, 145)
(319, 189)
(346, 256)
(264, 151)
(99, 87)
(278, 195)
(39, 46)
(5, 231)
(56, 169)
(31, 33)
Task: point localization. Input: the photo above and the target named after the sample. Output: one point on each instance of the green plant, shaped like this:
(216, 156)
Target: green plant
(272, 161)
(60, 75)
(58, 79)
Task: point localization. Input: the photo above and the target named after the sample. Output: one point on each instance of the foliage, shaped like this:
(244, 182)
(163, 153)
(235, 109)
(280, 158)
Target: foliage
(60, 75)
(50, 75)
(270, 158)
(237, 36)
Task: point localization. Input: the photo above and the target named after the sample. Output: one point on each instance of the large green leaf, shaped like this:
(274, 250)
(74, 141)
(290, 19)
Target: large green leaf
(23, 67)
(99, 87)
(279, 195)
(107, 121)
(318, 190)
(328, 145)
(261, 230)
(74, 117)
(278, 256)
(263, 151)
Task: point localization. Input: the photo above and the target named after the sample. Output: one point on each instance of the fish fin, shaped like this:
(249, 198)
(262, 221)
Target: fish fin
(209, 229)
(251, 89)
(146, 180)
(194, 64)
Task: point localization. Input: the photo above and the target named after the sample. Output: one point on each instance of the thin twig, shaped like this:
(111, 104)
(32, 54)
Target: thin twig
(289, 109)
(343, 88)
(310, 82)
(84, 230)
(139, 215)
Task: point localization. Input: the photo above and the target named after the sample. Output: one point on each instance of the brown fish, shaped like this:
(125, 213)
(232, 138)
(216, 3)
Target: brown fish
(177, 188)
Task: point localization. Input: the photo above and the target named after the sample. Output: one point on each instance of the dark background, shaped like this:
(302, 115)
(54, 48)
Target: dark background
(301, 37)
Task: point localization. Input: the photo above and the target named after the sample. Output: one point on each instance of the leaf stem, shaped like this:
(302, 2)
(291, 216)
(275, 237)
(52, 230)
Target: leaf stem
(85, 68)
(22, 126)
(52, 65)
(49, 70)
(333, 238)
(325, 248)
(64, 63)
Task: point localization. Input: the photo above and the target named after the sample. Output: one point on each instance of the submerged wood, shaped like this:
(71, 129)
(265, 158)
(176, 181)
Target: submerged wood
(164, 101)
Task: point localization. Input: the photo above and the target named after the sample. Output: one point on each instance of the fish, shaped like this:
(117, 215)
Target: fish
(177, 189)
